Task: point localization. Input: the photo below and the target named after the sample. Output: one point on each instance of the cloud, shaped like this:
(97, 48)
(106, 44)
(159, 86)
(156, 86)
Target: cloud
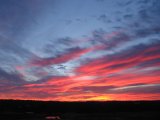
(138, 89)
(95, 89)
(124, 59)
(71, 54)
(104, 19)
(111, 63)
(129, 89)
(10, 78)
(124, 67)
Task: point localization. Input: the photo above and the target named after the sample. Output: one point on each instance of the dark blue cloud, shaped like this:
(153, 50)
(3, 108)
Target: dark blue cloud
(94, 88)
(9, 79)
(132, 88)
(139, 89)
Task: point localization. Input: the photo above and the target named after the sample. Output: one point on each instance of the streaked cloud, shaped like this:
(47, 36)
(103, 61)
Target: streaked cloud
(55, 50)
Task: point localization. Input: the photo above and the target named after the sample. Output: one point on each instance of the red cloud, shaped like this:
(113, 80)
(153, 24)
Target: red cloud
(65, 57)
(119, 62)
(102, 74)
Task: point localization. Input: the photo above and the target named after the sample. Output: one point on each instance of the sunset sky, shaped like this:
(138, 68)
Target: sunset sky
(80, 50)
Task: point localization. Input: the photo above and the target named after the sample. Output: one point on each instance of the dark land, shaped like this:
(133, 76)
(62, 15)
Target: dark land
(49, 110)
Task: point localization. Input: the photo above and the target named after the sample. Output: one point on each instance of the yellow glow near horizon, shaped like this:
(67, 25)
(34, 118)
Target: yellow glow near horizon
(100, 98)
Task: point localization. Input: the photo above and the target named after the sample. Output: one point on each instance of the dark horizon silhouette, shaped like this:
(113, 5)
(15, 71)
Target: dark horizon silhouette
(32, 110)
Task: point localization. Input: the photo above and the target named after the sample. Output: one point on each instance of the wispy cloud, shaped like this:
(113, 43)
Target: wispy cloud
(53, 51)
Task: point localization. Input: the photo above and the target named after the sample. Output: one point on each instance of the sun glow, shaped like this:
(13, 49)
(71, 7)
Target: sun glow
(100, 98)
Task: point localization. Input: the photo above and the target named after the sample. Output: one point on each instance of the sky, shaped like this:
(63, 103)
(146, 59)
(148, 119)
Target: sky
(80, 50)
